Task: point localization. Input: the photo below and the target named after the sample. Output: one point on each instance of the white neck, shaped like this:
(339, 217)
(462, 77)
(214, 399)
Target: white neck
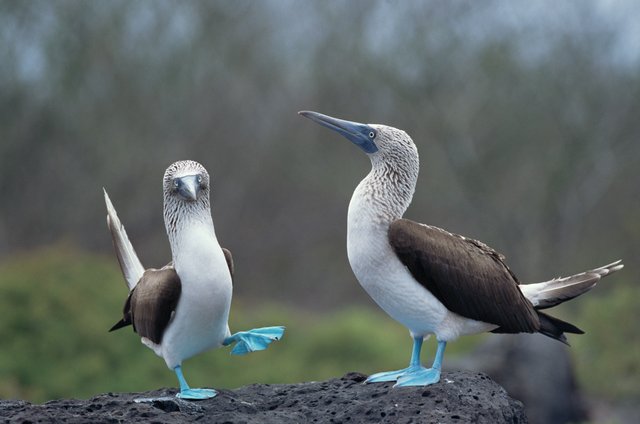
(384, 194)
(192, 241)
(191, 234)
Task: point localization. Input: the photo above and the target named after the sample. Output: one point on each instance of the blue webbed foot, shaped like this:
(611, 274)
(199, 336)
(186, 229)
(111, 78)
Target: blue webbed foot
(392, 375)
(415, 374)
(196, 394)
(254, 340)
(422, 377)
(187, 392)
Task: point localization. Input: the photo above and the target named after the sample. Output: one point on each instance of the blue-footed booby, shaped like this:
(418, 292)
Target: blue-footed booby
(182, 309)
(428, 279)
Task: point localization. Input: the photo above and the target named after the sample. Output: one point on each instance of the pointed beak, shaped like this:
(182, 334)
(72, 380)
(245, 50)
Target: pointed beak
(362, 135)
(187, 187)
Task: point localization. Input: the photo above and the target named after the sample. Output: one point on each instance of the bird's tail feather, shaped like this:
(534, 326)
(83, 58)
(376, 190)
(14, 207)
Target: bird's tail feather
(120, 324)
(555, 328)
(130, 265)
(554, 292)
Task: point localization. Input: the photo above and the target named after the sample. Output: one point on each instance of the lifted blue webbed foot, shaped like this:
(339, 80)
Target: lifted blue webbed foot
(254, 340)
(188, 393)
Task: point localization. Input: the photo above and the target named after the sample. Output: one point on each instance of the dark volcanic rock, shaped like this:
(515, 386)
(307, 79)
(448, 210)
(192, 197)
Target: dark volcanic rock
(460, 397)
(536, 370)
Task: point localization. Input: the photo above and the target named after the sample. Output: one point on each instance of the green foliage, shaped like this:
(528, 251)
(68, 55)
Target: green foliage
(608, 356)
(58, 304)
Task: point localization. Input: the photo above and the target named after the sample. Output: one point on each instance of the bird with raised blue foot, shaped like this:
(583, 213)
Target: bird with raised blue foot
(430, 280)
(183, 308)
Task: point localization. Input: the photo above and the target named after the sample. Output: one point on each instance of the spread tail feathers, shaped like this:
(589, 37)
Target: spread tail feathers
(129, 263)
(554, 292)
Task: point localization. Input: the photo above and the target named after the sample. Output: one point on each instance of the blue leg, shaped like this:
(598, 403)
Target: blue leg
(414, 366)
(187, 392)
(253, 340)
(425, 376)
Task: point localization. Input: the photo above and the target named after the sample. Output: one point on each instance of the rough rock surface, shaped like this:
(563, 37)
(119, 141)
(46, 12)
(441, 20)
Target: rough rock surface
(460, 397)
(536, 370)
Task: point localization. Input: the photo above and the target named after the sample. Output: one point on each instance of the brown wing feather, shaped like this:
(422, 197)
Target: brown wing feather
(467, 276)
(229, 259)
(151, 303)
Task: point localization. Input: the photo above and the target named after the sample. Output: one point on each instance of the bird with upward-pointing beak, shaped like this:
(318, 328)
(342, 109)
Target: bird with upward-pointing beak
(182, 309)
(428, 279)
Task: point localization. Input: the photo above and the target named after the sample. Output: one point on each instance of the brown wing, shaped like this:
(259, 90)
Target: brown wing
(229, 259)
(467, 276)
(151, 304)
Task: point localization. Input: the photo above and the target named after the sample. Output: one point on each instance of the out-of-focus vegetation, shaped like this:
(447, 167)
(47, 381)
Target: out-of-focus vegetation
(525, 115)
(608, 355)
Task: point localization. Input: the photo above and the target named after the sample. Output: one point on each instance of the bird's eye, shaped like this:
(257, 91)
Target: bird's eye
(199, 179)
(176, 183)
(372, 134)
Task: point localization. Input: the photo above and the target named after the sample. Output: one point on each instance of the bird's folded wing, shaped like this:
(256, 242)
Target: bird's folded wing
(466, 276)
(153, 302)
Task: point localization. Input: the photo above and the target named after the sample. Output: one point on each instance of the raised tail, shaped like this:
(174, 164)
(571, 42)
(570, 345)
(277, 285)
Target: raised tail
(130, 265)
(554, 292)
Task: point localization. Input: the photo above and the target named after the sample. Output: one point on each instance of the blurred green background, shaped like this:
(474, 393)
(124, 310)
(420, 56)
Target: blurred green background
(526, 116)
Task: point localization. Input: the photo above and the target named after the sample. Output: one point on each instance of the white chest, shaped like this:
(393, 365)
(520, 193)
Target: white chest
(200, 262)
(203, 309)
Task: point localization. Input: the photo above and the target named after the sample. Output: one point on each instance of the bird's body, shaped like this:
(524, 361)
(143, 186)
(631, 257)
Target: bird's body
(374, 206)
(426, 278)
(182, 309)
(202, 313)
(390, 284)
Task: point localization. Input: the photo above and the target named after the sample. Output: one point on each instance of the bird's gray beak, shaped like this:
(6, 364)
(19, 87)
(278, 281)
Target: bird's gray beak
(187, 187)
(361, 135)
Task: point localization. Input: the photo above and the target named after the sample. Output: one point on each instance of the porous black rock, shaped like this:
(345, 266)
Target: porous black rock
(460, 397)
(536, 370)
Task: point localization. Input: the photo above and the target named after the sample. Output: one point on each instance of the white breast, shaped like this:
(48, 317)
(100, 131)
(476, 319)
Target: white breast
(200, 322)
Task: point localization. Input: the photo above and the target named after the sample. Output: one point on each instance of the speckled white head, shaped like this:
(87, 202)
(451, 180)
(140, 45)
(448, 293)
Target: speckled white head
(394, 158)
(186, 188)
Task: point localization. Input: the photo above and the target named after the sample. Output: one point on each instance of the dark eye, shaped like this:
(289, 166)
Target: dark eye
(372, 134)
(176, 183)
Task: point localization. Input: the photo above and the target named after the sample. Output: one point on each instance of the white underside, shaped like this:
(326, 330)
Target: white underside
(391, 285)
(200, 321)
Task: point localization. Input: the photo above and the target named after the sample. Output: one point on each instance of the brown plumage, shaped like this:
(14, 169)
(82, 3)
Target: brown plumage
(152, 303)
(470, 278)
